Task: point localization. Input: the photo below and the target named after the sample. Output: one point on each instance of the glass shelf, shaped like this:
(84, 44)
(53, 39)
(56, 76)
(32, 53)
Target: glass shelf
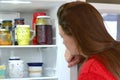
(36, 78)
(28, 46)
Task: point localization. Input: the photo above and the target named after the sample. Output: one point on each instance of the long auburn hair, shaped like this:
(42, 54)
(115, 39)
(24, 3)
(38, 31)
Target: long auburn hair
(85, 24)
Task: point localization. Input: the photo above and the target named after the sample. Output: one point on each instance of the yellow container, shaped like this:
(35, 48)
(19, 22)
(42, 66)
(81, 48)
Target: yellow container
(23, 33)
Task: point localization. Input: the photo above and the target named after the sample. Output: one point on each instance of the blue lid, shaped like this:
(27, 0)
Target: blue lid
(35, 64)
(14, 58)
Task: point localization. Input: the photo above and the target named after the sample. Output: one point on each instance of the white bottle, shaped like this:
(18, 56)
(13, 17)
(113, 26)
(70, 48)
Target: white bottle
(15, 67)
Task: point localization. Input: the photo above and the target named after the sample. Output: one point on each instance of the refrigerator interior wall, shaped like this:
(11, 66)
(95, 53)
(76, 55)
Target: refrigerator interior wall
(8, 16)
(52, 57)
(45, 55)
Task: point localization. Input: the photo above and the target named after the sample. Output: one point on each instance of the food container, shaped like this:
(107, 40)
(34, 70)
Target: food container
(7, 24)
(49, 71)
(5, 37)
(35, 69)
(44, 33)
(2, 71)
(19, 21)
(15, 67)
(34, 23)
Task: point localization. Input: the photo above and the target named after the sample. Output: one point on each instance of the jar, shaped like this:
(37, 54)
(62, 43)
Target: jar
(7, 24)
(44, 30)
(5, 37)
(17, 21)
(34, 23)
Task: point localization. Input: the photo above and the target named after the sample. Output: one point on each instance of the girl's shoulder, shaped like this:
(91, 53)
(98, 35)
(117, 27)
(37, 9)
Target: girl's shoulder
(92, 69)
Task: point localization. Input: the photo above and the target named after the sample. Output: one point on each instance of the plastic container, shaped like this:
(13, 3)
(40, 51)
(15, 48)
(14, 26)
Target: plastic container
(2, 71)
(15, 67)
(35, 69)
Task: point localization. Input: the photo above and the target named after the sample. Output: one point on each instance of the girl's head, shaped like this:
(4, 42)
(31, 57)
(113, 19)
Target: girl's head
(82, 29)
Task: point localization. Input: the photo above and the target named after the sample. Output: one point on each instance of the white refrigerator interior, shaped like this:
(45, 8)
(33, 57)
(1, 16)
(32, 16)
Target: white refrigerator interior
(52, 56)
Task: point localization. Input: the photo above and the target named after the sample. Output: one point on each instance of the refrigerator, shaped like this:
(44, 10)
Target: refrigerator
(54, 64)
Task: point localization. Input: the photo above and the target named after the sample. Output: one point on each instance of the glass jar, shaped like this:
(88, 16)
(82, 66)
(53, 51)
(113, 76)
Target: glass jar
(34, 41)
(19, 21)
(7, 24)
(44, 30)
(5, 37)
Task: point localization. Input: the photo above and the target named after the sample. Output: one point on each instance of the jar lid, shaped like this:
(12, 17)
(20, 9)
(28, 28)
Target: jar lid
(39, 13)
(7, 21)
(19, 19)
(47, 17)
(35, 64)
(14, 58)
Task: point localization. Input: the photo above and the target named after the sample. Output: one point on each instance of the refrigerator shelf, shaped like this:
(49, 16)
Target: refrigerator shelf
(36, 78)
(28, 46)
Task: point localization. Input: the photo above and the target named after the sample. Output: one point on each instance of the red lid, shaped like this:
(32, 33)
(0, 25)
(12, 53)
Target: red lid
(39, 14)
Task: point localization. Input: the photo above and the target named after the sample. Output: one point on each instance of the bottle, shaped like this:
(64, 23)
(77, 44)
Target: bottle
(15, 67)
(44, 30)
